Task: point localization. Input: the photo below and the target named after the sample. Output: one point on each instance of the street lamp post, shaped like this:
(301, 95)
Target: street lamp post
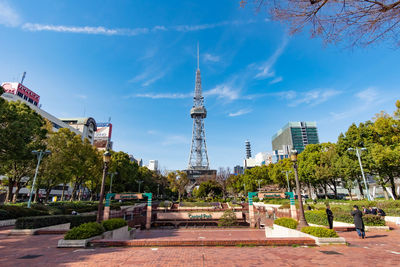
(39, 155)
(106, 160)
(112, 176)
(139, 182)
(302, 218)
(287, 179)
(358, 153)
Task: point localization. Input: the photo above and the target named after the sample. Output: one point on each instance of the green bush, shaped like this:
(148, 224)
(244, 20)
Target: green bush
(373, 220)
(112, 224)
(227, 219)
(84, 231)
(286, 222)
(343, 216)
(316, 217)
(4, 215)
(66, 207)
(319, 231)
(44, 221)
(14, 211)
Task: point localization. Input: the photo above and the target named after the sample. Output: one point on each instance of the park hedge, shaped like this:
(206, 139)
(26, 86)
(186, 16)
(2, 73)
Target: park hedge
(84, 231)
(13, 212)
(319, 231)
(44, 221)
(286, 222)
(112, 224)
(319, 217)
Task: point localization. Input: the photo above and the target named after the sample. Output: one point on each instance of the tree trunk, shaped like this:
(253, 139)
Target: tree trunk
(62, 194)
(73, 194)
(393, 186)
(310, 193)
(36, 195)
(325, 191)
(9, 196)
(15, 196)
(48, 190)
(360, 187)
(351, 196)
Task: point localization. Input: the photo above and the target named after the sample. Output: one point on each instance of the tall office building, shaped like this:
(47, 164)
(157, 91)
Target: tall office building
(295, 135)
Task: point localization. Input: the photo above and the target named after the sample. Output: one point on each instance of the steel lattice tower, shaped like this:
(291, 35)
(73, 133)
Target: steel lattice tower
(198, 159)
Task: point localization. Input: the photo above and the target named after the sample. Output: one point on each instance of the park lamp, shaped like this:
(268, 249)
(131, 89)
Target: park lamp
(293, 155)
(106, 157)
(46, 152)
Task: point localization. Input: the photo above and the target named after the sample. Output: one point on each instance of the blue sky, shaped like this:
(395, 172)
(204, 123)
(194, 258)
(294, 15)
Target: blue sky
(135, 61)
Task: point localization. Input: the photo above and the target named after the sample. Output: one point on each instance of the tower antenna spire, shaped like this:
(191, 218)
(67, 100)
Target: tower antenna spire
(198, 61)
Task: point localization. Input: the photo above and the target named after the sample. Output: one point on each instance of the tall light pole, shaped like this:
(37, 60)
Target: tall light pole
(302, 218)
(139, 182)
(106, 160)
(287, 179)
(112, 176)
(358, 153)
(39, 155)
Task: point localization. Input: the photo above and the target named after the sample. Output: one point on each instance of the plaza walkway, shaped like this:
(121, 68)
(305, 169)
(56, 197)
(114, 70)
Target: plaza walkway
(379, 249)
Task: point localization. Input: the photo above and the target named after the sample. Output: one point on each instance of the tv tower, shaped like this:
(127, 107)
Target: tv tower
(198, 159)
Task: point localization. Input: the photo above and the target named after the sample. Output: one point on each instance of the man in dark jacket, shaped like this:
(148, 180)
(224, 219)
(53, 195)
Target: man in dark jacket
(358, 221)
(329, 214)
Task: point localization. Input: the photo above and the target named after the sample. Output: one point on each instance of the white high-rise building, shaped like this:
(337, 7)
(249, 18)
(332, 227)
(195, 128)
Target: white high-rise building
(153, 165)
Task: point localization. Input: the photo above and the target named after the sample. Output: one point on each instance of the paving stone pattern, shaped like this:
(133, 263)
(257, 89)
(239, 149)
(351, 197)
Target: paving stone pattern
(381, 248)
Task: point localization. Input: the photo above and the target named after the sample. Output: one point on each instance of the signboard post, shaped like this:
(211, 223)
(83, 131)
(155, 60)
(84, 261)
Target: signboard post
(148, 213)
(293, 210)
(251, 208)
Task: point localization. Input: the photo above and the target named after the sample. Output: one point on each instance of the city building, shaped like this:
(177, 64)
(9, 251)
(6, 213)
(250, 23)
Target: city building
(138, 161)
(102, 136)
(22, 92)
(296, 135)
(86, 126)
(153, 165)
(237, 170)
(261, 158)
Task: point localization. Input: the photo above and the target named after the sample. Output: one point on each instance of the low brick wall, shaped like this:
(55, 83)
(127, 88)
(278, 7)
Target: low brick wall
(193, 215)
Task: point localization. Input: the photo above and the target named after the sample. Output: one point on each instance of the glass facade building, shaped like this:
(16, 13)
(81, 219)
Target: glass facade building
(295, 135)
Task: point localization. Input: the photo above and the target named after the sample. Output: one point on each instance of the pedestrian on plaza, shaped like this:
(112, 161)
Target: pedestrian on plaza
(365, 210)
(372, 210)
(329, 215)
(358, 221)
(381, 212)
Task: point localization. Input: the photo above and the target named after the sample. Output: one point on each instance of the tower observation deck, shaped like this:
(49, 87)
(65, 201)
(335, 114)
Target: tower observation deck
(198, 159)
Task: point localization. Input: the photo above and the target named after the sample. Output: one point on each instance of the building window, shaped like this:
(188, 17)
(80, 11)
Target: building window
(30, 100)
(20, 94)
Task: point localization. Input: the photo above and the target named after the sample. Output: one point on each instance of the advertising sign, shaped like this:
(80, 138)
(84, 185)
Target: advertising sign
(104, 130)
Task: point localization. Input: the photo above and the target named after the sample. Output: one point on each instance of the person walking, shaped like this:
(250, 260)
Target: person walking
(329, 214)
(358, 221)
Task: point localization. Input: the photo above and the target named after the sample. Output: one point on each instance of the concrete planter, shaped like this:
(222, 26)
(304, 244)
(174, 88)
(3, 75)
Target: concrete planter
(392, 219)
(64, 226)
(281, 231)
(10, 222)
(116, 234)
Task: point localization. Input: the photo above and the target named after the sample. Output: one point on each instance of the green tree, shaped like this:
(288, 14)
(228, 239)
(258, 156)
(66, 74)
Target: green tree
(209, 188)
(21, 132)
(177, 182)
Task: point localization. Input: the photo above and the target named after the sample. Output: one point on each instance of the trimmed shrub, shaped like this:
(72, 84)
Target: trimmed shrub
(84, 231)
(4, 215)
(14, 212)
(227, 219)
(319, 231)
(286, 222)
(44, 221)
(316, 217)
(66, 207)
(112, 224)
(373, 220)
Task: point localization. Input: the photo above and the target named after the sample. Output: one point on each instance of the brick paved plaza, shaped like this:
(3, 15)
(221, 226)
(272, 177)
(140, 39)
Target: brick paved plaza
(379, 249)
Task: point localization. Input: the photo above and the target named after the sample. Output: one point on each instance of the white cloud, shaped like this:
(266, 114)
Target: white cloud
(287, 94)
(81, 96)
(124, 31)
(276, 80)
(224, 91)
(8, 16)
(266, 70)
(240, 112)
(315, 97)
(210, 58)
(368, 95)
(162, 96)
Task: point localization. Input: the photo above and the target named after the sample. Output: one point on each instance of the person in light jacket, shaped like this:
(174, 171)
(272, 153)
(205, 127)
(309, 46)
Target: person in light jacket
(358, 221)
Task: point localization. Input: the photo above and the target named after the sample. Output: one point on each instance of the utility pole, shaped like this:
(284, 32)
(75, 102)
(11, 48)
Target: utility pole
(39, 155)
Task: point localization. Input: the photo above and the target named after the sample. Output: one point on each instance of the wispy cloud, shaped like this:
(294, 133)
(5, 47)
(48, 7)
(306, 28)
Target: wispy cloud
(81, 96)
(8, 16)
(210, 58)
(34, 27)
(276, 80)
(314, 97)
(240, 112)
(161, 96)
(266, 69)
(224, 91)
(150, 75)
(368, 98)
